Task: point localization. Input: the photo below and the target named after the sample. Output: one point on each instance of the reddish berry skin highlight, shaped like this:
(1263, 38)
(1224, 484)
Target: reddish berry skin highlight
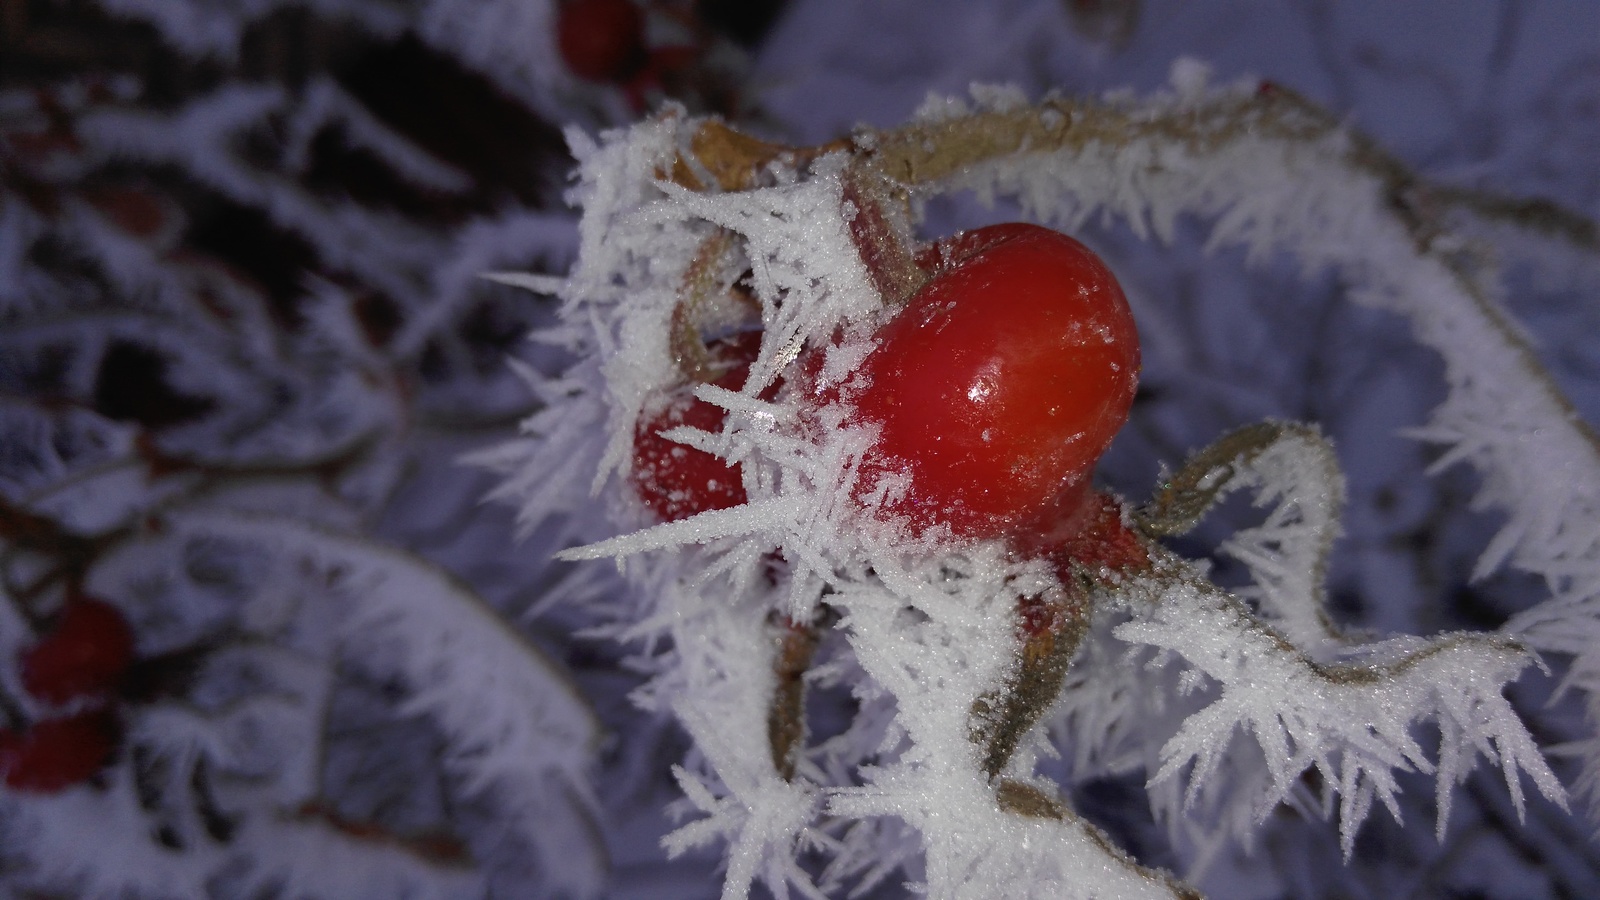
(87, 653)
(1000, 384)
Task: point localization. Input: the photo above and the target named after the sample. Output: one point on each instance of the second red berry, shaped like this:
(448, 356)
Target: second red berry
(87, 653)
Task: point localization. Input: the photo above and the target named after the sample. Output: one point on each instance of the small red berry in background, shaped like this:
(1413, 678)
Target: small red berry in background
(1000, 384)
(54, 754)
(86, 654)
(601, 40)
(662, 67)
(677, 481)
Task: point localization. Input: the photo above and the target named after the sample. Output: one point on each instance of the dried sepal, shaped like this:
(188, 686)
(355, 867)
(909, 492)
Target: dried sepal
(721, 157)
(1292, 468)
(701, 281)
(732, 157)
(1031, 801)
(1185, 496)
(1353, 721)
(877, 209)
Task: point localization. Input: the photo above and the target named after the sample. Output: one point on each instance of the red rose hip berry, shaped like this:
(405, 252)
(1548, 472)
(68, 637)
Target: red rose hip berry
(54, 754)
(678, 481)
(601, 40)
(87, 653)
(1000, 384)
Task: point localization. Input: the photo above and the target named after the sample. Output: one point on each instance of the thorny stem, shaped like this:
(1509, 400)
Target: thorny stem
(1103, 549)
(1053, 629)
(71, 555)
(435, 848)
(1182, 498)
(731, 160)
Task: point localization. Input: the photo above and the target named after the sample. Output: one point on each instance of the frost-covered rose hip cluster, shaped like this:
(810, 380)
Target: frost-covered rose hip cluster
(993, 391)
(850, 468)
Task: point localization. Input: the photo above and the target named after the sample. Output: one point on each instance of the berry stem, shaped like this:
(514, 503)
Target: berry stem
(786, 721)
(1051, 627)
(1051, 630)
